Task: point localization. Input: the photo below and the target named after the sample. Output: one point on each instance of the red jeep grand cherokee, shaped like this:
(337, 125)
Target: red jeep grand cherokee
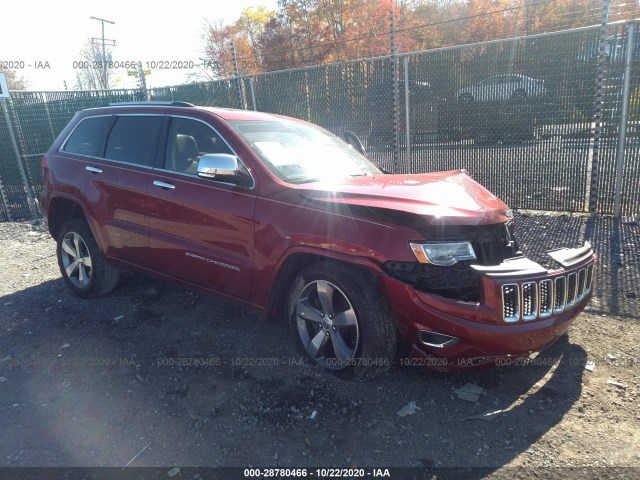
(286, 218)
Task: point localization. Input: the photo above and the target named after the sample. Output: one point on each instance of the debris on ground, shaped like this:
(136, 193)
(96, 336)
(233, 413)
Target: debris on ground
(469, 392)
(409, 409)
(616, 384)
(487, 416)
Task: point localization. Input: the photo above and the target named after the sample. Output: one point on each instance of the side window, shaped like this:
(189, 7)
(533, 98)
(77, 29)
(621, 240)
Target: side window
(89, 136)
(188, 140)
(134, 139)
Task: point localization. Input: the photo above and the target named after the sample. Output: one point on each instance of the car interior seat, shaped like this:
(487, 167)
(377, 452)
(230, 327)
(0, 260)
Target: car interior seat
(185, 154)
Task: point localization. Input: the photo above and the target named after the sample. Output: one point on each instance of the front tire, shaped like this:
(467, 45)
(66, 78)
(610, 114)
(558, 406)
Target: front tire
(82, 265)
(341, 321)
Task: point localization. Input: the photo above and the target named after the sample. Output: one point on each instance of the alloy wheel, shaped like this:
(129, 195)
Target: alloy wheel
(76, 260)
(327, 325)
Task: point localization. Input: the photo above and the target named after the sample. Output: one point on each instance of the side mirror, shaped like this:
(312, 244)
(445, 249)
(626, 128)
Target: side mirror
(220, 166)
(353, 140)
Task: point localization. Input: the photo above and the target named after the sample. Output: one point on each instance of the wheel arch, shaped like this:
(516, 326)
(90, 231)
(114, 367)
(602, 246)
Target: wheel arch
(294, 262)
(61, 210)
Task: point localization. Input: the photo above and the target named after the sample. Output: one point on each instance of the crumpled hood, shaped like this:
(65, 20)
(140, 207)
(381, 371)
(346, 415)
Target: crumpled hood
(452, 194)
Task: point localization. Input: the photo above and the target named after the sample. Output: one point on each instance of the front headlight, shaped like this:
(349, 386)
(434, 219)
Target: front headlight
(443, 253)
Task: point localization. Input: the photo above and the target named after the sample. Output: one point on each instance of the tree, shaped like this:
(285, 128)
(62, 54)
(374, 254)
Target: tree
(91, 73)
(253, 21)
(13, 80)
(310, 32)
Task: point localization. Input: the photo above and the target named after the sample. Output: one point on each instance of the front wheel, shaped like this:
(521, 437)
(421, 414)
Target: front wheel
(84, 269)
(341, 321)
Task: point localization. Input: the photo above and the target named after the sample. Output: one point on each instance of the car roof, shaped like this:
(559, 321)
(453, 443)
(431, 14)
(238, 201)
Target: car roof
(177, 107)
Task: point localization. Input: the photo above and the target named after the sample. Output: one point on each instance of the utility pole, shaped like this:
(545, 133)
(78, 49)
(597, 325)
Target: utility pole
(102, 41)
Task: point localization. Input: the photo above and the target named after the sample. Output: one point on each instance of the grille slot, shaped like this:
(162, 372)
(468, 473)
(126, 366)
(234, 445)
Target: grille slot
(587, 288)
(529, 301)
(510, 302)
(546, 298)
(582, 277)
(560, 299)
(572, 280)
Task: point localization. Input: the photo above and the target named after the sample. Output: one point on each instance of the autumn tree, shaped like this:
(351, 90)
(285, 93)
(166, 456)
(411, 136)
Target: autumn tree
(14, 81)
(309, 32)
(252, 22)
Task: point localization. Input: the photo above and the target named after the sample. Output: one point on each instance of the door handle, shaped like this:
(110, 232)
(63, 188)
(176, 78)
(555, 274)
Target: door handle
(93, 169)
(166, 186)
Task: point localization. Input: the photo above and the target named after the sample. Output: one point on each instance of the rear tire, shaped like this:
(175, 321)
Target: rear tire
(83, 267)
(341, 321)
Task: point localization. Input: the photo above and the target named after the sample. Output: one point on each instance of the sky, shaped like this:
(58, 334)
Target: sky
(46, 36)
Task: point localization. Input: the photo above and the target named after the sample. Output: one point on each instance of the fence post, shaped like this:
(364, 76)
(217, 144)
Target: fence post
(407, 107)
(622, 131)
(253, 93)
(597, 108)
(396, 101)
(307, 94)
(16, 150)
(46, 108)
(5, 201)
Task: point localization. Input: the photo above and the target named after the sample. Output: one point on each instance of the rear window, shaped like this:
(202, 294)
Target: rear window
(89, 136)
(134, 139)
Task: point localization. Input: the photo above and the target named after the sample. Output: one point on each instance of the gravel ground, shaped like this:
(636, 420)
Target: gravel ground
(189, 380)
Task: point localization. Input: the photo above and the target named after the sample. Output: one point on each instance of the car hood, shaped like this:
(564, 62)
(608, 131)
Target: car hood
(450, 195)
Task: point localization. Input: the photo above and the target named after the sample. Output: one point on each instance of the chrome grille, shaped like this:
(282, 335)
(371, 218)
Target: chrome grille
(546, 298)
(529, 301)
(572, 280)
(561, 295)
(511, 302)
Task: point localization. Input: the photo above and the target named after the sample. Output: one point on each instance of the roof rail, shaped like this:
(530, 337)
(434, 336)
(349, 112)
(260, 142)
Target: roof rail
(157, 103)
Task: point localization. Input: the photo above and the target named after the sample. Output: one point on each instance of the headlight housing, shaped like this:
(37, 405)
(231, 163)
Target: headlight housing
(443, 253)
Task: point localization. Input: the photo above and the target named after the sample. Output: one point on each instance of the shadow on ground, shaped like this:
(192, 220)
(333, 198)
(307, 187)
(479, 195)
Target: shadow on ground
(186, 380)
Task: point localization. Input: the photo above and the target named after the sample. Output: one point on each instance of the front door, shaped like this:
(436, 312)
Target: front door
(201, 231)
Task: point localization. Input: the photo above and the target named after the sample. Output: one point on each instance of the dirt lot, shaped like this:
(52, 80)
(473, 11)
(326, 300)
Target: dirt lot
(182, 379)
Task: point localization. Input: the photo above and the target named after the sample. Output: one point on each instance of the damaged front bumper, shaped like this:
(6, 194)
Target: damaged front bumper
(525, 308)
(526, 297)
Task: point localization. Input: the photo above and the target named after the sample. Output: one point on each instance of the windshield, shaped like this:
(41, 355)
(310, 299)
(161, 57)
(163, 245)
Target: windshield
(300, 153)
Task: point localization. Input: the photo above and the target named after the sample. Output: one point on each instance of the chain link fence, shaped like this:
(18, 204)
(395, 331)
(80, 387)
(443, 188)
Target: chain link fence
(518, 114)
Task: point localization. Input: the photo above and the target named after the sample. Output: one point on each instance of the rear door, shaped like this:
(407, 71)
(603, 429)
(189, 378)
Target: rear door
(201, 230)
(112, 178)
